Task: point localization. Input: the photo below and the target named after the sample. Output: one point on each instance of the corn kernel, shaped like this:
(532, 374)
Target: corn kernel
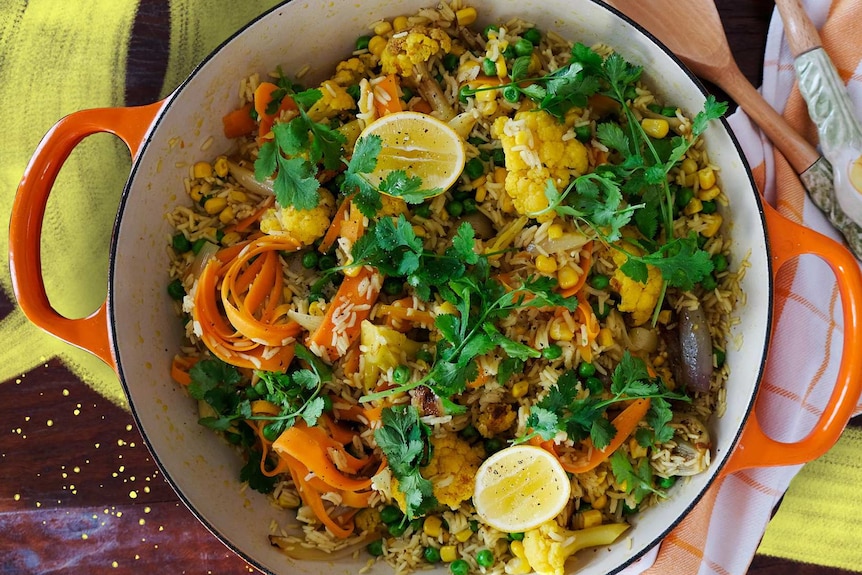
(382, 28)
(500, 174)
(502, 71)
(419, 231)
(399, 23)
(555, 231)
(655, 127)
(713, 223)
(560, 331)
(463, 535)
(591, 518)
(202, 170)
(535, 63)
(522, 138)
(489, 108)
(546, 264)
(520, 389)
(195, 193)
(467, 68)
(517, 566)
(664, 316)
(706, 176)
(220, 166)
(708, 193)
(689, 166)
(480, 181)
(226, 215)
(314, 308)
(636, 449)
(567, 277)
(486, 95)
(376, 45)
(230, 239)
(693, 207)
(432, 526)
(466, 16)
(517, 549)
(481, 192)
(600, 501)
(214, 205)
(690, 180)
(448, 553)
(352, 271)
(606, 337)
(238, 196)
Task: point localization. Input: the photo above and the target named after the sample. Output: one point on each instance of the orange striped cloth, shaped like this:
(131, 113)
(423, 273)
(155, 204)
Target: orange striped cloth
(723, 532)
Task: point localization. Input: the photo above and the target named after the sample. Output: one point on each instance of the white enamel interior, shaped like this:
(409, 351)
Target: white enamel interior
(203, 469)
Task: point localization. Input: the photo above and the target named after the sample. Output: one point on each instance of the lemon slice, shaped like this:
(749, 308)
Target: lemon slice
(420, 145)
(519, 488)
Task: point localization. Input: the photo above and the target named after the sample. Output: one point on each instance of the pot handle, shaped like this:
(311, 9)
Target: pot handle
(28, 211)
(755, 448)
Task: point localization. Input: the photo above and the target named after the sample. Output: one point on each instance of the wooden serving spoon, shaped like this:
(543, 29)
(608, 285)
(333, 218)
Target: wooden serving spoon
(701, 44)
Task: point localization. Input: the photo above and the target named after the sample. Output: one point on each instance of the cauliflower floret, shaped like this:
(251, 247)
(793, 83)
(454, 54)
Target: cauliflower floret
(538, 148)
(367, 520)
(304, 225)
(495, 419)
(452, 469)
(352, 70)
(638, 298)
(335, 99)
(418, 45)
(548, 546)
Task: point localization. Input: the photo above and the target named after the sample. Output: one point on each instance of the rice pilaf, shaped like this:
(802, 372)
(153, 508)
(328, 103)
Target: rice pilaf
(366, 347)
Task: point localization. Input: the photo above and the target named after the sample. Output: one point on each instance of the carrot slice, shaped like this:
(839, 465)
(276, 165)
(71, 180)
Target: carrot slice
(391, 101)
(301, 443)
(238, 122)
(244, 223)
(180, 367)
(341, 214)
(263, 97)
(585, 264)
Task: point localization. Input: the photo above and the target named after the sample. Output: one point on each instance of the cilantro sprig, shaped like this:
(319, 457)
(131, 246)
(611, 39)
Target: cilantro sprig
(405, 441)
(564, 410)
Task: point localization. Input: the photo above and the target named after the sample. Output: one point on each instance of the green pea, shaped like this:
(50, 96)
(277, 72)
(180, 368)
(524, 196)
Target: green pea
(327, 403)
(490, 28)
(709, 207)
(470, 206)
(499, 156)
(272, 430)
(398, 529)
(523, 47)
(423, 211)
(600, 281)
(401, 374)
(601, 310)
(719, 357)
(233, 438)
(584, 133)
(181, 243)
(489, 67)
(391, 514)
(719, 263)
(450, 62)
(474, 168)
(362, 42)
(511, 93)
(586, 369)
(517, 536)
(509, 52)
(407, 93)
(465, 92)
(455, 208)
(393, 286)
(459, 567)
(424, 355)
(629, 510)
(485, 558)
(375, 548)
(476, 141)
(198, 245)
(708, 283)
(474, 526)
(552, 352)
(219, 235)
(353, 91)
(666, 482)
(326, 262)
(595, 385)
(431, 554)
(176, 290)
(533, 35)
(309, 260)
(683, 197)
(469, 433)
(416, 524)
(492, 445)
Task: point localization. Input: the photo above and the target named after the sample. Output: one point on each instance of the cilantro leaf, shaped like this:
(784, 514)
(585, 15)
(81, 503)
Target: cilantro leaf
(638, 481)
(464, 243)
(295, 183)
(409, 188)
(251, 473)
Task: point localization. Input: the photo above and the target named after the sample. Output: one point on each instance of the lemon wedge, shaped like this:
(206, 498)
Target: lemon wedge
(421, 146)
(519, 488)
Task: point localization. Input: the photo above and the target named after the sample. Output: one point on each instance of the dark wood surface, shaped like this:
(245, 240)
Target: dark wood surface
(79, 493)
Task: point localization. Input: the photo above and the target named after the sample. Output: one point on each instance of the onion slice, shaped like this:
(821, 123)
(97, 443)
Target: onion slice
(208, 250)
(695, 348)
(246, 179)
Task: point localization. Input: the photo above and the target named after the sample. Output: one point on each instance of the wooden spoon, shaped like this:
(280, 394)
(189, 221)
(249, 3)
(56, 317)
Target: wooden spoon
(700, 43)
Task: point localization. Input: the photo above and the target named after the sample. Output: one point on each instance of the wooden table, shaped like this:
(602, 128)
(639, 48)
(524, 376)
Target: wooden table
(79, 492)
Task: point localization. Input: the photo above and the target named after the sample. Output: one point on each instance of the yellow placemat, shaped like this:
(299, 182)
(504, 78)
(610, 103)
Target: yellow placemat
(818, 518)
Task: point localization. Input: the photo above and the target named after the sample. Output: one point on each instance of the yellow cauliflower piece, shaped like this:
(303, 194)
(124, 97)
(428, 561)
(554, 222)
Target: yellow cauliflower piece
(304, 225)
(452, 469)
(350, 71)
(335, 99)
(637, 298)
(548, 546)
(495, 419)
(536, 151)
(383, 348)
(417, 46)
